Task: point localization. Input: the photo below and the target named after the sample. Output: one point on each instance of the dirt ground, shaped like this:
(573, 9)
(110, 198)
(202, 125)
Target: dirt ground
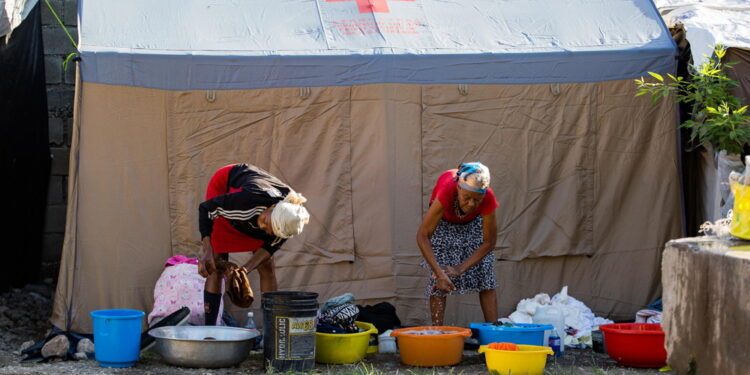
(573, 362)
(24, 313)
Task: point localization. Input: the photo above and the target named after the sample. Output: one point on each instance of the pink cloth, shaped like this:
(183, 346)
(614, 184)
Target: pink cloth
(180, 259)
(181, 285)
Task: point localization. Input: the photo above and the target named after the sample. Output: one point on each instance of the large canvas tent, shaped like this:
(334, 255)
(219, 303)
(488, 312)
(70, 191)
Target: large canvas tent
(360, 105)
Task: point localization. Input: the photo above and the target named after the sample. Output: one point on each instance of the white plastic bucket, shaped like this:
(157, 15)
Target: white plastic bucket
(554, 316)
(386, 343)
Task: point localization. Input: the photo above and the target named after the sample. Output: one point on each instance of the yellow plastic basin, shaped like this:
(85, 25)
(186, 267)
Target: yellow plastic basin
(528, 360)
(340, 348)
(740, 226)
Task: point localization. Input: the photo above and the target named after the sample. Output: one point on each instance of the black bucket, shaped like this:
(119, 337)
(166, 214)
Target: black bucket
(289, 322)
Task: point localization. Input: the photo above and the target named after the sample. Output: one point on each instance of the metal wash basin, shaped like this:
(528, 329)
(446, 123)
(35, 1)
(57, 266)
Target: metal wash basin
(203, 346)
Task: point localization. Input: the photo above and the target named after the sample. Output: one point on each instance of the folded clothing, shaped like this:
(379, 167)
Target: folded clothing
(342, 316)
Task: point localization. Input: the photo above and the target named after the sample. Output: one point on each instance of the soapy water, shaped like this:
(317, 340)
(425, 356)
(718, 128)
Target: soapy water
(427, 332)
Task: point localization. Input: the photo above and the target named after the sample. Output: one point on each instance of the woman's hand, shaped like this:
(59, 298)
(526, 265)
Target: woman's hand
(452, 272)
(206, 265)
(444, 284)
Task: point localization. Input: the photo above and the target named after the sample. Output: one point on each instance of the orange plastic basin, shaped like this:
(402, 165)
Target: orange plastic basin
(431, 350)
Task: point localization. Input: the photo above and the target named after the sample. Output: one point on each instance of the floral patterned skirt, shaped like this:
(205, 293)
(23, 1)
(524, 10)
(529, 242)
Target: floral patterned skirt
(453, 243)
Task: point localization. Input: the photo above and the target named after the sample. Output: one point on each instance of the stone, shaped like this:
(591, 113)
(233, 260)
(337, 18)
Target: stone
(40, 289)
(80, 356)
(85, 346)
(26, 345)
(5, 323)
(57, 347)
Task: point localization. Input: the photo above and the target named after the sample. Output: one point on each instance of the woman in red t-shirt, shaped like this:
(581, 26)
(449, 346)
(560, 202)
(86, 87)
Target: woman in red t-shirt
(246, 210)
(456, 238)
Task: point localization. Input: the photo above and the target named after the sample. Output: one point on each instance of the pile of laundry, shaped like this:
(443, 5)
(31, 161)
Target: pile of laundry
(338, 315)
(580, 321)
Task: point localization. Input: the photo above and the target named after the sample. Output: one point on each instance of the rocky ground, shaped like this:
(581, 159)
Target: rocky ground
(24, 315)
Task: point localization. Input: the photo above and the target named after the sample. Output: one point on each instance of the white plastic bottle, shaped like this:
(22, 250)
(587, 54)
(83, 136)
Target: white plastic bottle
(554, 316)
(250, 324)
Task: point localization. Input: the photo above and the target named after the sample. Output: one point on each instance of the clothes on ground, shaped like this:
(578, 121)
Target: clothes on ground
(180, 285)
(34, 353)
(452, 244)
(382, 315)
(445, 191)
(236, 196)
(579, 319)
(648, 316)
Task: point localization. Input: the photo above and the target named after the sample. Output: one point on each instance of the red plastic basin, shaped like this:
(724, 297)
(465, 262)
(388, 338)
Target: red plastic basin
(635, 344)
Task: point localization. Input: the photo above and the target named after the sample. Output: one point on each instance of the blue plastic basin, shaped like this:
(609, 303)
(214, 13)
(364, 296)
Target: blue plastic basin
(520, 333)
(117, 336)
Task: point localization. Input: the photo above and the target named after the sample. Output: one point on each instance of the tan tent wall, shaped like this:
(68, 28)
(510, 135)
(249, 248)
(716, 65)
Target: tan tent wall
(118, 211)
(586, 176)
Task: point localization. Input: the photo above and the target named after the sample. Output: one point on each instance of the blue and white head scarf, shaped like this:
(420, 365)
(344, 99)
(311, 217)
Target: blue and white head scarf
(474, 177)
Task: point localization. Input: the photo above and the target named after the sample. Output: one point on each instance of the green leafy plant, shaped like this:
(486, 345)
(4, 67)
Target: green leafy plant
(717, 116)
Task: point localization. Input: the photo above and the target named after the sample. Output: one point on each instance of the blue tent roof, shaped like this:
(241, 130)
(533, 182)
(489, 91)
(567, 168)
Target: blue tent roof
(230, 44)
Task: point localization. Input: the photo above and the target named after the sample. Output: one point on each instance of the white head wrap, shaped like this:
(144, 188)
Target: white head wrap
(289, 217)
(474, 177)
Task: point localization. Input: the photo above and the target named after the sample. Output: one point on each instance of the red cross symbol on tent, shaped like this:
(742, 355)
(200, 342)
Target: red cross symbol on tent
(371, 6)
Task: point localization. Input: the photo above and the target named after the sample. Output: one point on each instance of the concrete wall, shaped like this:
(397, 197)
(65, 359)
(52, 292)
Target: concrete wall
(60, 89)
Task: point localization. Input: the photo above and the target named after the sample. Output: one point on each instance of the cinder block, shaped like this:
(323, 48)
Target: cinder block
(60, 100)
(60, 157)
(53, 98)
(68, 130)
(52, 244)
(55, 190)
(52, 69)
(56, 131)
(47, 18)
(65, 188)
(71, 13)
(56, 42)
(54, 220)
(70, 74)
